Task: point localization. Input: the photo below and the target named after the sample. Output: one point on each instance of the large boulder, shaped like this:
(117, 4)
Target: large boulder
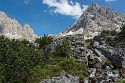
(61, 79)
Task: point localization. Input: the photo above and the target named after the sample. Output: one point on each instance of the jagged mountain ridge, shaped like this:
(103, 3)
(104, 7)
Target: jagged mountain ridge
(95, 19)
(12, 29)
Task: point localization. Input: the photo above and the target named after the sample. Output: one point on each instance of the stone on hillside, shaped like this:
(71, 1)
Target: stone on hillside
(61, 79)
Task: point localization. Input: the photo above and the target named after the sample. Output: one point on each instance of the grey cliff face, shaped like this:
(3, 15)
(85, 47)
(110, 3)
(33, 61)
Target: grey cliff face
(12, 29)
(97, 18)
(28, 32)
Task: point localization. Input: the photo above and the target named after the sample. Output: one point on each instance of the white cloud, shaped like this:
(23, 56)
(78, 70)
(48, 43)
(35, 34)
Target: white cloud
(66, 7)
(109, 0)
(26, 2)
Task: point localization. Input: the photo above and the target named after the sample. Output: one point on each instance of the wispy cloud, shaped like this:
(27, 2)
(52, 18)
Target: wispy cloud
(66, 7)
(109, 0)
(26, 2)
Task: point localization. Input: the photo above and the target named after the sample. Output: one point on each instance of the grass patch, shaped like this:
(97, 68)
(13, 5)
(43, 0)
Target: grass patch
(57, 66)
(121, 81)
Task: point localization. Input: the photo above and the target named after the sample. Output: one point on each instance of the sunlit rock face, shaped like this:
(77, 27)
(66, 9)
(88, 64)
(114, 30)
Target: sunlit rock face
(96, 19)
(12, 29)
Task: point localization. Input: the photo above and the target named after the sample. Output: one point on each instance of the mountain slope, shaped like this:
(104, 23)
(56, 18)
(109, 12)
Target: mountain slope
(96, 19)
(12, 29)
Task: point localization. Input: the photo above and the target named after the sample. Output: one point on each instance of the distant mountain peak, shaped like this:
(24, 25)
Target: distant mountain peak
(26, 26)
(93, 7)
(2, 14)
(94, 4)
(12, 29)
(95, 19)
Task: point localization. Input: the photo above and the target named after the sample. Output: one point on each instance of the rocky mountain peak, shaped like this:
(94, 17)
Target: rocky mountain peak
(2, 14)
(93, 6)
(94, 20)
(12, 29)
(26, 26)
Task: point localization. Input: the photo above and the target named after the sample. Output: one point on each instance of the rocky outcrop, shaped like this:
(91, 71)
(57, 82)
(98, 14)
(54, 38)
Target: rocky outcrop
(94, 20)
(99, 50)
(114, 54)
(105, 63)
(12, 29)
(76, 42)
(62, 79)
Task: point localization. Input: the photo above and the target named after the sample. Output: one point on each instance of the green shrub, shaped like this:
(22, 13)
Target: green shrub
(17, 58)
(81, 78)
(63, 50)
(121, 81)
(22, 62)
(105, 32)
(37, 73)
(89, 42)
(122, 33)
(70, 66)
(113, 32)
(73, 67)
(44, 41)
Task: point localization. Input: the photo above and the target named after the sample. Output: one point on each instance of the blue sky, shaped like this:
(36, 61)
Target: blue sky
(52, 16)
